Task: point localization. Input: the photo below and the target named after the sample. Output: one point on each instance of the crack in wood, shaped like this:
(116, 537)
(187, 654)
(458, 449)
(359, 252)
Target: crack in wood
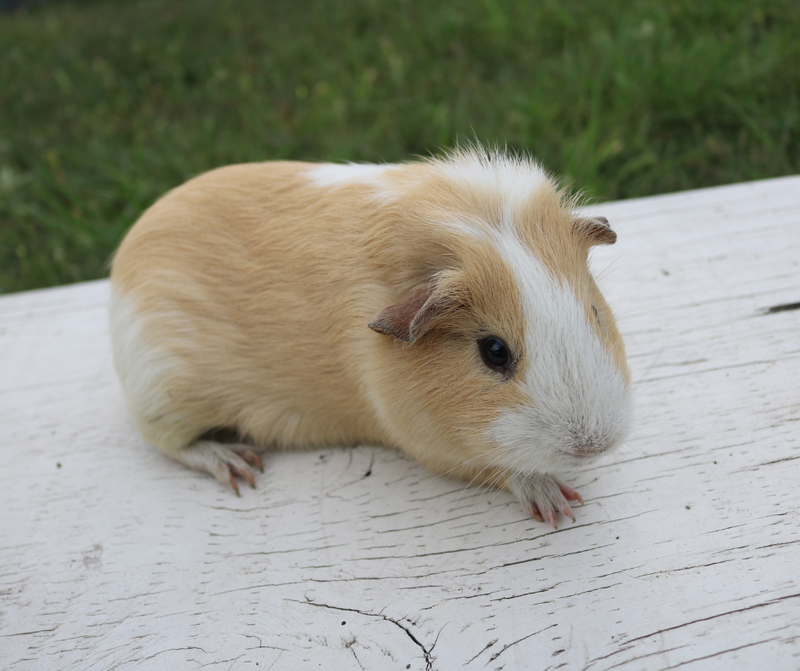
(524, 594)
(369, 469)
(722, 652)
(786, 307)
(524, 638)
(349, 645)
(771, 602)
(276, 660)
(714, 369)
(485, 648)
(28, 633)
(427, 652)
(693, 567)
(778, 461)
(168, 650)
(657, 653)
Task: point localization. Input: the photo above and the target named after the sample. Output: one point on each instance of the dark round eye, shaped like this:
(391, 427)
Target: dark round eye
(495, 354)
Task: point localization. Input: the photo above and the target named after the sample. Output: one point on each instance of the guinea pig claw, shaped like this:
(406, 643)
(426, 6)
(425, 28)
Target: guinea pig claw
(569, 494)
(533, 511)
(241, 470)
(245, 473)
(251, 458)
(548, 515)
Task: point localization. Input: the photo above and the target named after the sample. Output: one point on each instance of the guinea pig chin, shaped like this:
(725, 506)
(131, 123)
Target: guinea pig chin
(534, 441)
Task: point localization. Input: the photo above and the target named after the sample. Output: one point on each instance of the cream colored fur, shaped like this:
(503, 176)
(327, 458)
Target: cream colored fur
(242, 300)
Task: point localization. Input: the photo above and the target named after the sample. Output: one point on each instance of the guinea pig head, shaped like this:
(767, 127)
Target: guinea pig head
(507, 359)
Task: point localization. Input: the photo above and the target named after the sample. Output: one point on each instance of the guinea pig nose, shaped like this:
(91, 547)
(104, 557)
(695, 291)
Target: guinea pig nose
(587, 443)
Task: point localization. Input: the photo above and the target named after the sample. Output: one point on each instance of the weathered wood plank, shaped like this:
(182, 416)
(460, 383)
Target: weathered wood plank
(686, 553)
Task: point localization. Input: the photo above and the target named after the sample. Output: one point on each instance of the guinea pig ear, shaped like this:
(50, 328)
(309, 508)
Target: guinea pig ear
(411, 318)
(595, 230)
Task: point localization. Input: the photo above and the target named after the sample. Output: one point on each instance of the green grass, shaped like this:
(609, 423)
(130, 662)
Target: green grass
(106, 105)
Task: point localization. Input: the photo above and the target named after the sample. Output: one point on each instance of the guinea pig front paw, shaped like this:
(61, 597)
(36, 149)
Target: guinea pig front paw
(224, 462)
(544, 496)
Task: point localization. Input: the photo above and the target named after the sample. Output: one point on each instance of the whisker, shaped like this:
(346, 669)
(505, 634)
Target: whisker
(604, 273)
(491, 464)
(466, 463)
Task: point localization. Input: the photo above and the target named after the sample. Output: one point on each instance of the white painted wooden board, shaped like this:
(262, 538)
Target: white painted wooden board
(685, 555)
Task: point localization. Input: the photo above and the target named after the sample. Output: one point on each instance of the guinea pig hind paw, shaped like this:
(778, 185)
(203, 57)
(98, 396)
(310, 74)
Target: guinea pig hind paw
(224, 462)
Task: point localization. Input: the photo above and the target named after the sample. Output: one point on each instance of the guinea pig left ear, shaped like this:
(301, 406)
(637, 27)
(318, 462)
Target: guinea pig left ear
(595, 230)
(411, 318)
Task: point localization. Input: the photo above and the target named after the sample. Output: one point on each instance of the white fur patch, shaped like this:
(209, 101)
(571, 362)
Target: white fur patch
(580, 404)
(514, 178)
(142, 368)
(335, 174)
(466, 227)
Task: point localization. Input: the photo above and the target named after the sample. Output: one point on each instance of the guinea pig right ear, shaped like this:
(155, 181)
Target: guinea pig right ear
(411, 318)
(595, 230)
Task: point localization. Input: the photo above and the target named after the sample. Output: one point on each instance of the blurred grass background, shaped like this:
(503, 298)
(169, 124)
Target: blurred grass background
(105, 105)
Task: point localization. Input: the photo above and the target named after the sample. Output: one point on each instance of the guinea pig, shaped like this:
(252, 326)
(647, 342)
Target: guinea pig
(442, 307)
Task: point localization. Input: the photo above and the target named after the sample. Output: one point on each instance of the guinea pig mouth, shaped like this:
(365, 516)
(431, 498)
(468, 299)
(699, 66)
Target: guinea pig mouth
(583, 455)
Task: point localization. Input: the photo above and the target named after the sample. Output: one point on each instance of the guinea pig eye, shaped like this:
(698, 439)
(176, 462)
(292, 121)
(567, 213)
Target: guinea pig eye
(495, 354)
(596, 316)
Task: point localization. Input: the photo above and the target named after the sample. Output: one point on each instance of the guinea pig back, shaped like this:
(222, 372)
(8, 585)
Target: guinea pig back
(444, 308)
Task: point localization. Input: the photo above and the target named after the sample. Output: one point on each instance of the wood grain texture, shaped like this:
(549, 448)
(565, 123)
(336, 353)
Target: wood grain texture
(685, 555)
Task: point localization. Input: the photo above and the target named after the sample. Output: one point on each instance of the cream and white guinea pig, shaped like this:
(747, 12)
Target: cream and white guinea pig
(442, 307)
